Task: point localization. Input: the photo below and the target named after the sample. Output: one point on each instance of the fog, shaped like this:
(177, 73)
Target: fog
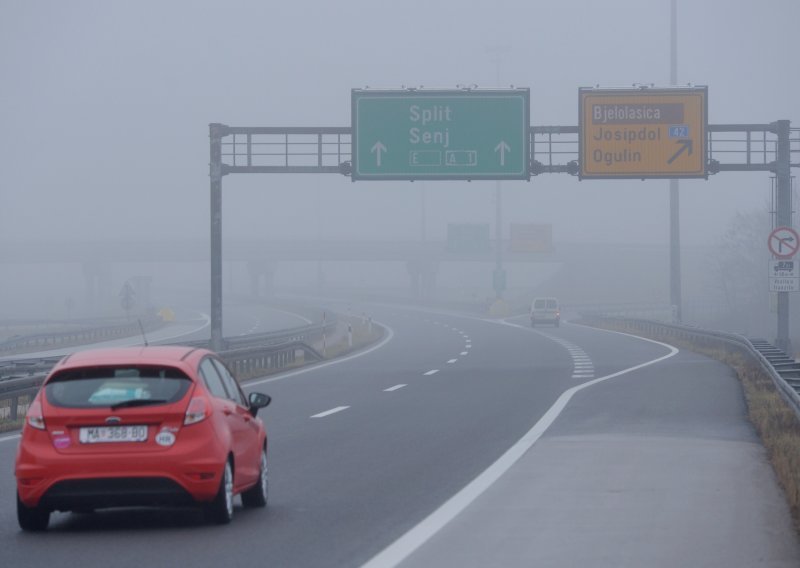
(106, 107)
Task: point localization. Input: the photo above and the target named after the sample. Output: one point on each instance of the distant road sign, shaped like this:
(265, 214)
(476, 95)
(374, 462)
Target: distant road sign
(783, 242)
(528, 237)
(643, 133)
(463, 134)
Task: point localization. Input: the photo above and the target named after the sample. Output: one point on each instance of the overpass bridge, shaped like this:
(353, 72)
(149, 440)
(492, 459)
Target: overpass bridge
(635, 272)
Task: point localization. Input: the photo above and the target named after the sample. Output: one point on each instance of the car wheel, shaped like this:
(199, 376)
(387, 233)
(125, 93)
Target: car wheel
(258, 494)
(220, 510)
(533, 323)
(558, 323)
(32, 519)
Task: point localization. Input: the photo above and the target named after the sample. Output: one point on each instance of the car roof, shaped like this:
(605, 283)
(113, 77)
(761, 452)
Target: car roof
(170, 355)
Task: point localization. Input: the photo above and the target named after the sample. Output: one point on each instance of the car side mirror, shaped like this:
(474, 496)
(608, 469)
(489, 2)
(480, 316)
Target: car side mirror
(258, 400)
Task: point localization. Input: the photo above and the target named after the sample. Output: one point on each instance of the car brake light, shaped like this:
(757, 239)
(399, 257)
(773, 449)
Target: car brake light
(196, 412)
(34, 417)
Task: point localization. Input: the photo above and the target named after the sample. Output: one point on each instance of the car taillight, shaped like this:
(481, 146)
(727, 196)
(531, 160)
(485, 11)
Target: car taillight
(34, 417)
(197, 411)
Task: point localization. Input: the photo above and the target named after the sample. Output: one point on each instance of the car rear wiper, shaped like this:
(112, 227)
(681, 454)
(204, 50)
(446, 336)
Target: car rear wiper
(137, 402)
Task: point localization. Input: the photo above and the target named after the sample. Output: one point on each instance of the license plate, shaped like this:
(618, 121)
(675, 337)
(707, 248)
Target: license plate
(103, 434)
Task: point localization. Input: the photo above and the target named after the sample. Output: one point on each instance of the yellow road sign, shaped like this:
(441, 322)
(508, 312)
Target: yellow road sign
(643, 133)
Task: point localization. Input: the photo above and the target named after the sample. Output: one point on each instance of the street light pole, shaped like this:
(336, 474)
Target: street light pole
(674, 194)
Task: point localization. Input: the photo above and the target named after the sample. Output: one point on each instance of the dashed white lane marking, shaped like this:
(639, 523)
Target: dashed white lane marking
(394, 388)
(400, 549)
(464, 352)
(582, 366)
(451, 361)
(331, 411)
(431, 372)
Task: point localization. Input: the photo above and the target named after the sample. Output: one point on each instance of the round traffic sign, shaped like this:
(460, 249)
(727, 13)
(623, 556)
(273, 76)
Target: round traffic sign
(783, 242)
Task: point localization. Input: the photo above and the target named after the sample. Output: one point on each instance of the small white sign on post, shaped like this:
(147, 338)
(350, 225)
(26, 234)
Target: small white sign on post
(784, 276)
(784, 269)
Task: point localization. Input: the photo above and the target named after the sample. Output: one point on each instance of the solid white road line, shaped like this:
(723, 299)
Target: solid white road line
(400, 549)
(394, 388)
(431, 372)
(9, 438)
(331, 411)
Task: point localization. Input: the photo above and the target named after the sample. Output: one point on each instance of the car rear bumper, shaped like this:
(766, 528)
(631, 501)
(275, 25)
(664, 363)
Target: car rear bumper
(179, 476)
(101, 493)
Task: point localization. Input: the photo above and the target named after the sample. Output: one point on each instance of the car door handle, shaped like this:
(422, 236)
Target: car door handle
(227, 411)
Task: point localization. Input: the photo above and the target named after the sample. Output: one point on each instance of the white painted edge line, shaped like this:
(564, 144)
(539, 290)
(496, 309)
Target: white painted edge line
(451, 361)
(9, 438)
(404, 546)
(389, 336)
(431, 372)
(394, 388)
(331, 411)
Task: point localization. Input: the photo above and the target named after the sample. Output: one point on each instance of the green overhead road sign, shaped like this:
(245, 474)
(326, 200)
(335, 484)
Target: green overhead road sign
(465, 134)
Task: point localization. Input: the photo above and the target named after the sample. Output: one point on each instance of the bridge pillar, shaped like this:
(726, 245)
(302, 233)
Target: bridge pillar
(98, 285)
(261, 272)
(423, 278)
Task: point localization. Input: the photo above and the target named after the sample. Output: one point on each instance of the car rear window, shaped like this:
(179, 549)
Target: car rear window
(538, 305)
(98, 387)
(552, 304)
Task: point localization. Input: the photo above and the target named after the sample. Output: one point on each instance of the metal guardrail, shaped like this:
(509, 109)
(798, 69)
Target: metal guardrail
(783, 370)
(20, 380)
(83, 335)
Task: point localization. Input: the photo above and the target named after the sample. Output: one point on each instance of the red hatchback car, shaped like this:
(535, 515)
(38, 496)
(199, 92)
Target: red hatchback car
(141, 426)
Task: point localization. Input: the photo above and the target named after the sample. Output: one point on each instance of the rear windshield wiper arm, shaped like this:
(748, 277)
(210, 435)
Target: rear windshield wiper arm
(137, 402)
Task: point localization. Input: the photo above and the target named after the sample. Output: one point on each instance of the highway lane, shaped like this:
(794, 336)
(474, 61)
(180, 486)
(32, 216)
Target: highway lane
(657, 467)
(356, 459)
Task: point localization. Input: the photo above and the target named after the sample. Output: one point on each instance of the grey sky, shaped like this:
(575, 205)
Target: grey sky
(106, 107)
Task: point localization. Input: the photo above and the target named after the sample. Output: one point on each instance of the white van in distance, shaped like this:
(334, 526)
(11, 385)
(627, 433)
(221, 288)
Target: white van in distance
(545, 310)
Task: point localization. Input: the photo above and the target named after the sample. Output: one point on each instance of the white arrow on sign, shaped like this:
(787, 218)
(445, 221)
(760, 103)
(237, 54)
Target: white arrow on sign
(502, 147)
(378, 148)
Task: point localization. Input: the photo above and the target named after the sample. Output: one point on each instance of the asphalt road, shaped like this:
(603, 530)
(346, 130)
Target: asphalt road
(363, 450)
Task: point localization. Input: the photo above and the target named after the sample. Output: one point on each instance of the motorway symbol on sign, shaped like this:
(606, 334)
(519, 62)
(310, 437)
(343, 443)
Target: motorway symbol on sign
(643, 133)
(783, 242)
(784, 269)
(463, 134)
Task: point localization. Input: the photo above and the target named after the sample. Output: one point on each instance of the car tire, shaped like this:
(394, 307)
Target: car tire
(558, 323)
(533, 323)
(220, 510)
(32, 519)
(258, 494)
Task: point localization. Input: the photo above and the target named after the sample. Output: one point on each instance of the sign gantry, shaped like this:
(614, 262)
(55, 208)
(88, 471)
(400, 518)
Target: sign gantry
(471, 134)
